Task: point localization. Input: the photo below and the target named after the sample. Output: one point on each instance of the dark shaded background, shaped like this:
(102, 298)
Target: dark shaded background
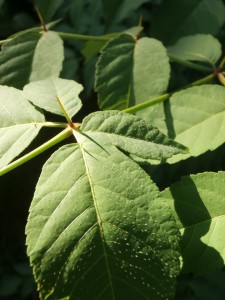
(17, 187)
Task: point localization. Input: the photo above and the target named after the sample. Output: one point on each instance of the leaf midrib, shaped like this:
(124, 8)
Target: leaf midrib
(196, 55)
(24, 124)
(98, 218)
(205, 221)
(125, 137)
(199, 123)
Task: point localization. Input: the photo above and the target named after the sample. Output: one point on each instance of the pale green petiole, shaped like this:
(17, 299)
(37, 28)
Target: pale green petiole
(164, 97)
(145, 104)
(73, 36)
(55, 140)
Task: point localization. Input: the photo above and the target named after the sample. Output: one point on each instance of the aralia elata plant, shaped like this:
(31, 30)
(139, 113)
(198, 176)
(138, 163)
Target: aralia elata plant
(98, 227)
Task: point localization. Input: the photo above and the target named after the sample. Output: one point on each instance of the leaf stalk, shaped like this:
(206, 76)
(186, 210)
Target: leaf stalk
(55, 140)
(73, 36)
(166, 96)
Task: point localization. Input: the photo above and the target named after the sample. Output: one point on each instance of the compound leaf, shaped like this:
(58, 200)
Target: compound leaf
(199, 47)
(199, 208)
(131, 134)
(29, 57)
(131, 71)
(20, 122)
(110, 236)
(194, 117)
(44, 94)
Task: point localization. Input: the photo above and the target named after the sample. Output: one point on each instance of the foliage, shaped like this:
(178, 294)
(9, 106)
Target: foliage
(105, 222)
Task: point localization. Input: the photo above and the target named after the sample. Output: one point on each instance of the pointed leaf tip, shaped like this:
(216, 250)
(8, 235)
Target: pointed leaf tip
(131, 134)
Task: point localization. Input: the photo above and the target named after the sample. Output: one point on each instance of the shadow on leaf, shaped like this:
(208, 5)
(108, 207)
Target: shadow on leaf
(196, 225)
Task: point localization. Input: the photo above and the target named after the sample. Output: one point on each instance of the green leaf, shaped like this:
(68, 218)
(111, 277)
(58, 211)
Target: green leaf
(131, 71)
(187, 17)
(199, 208)
(92, 48)
(115, 11)
(155, 115)
(20, 122)
(48, 8)
(195, 117)
(110, 236)
(48, 57)
(35, 29)
(130, 134)
(44, 93)
(29, 57)
(199, 47)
